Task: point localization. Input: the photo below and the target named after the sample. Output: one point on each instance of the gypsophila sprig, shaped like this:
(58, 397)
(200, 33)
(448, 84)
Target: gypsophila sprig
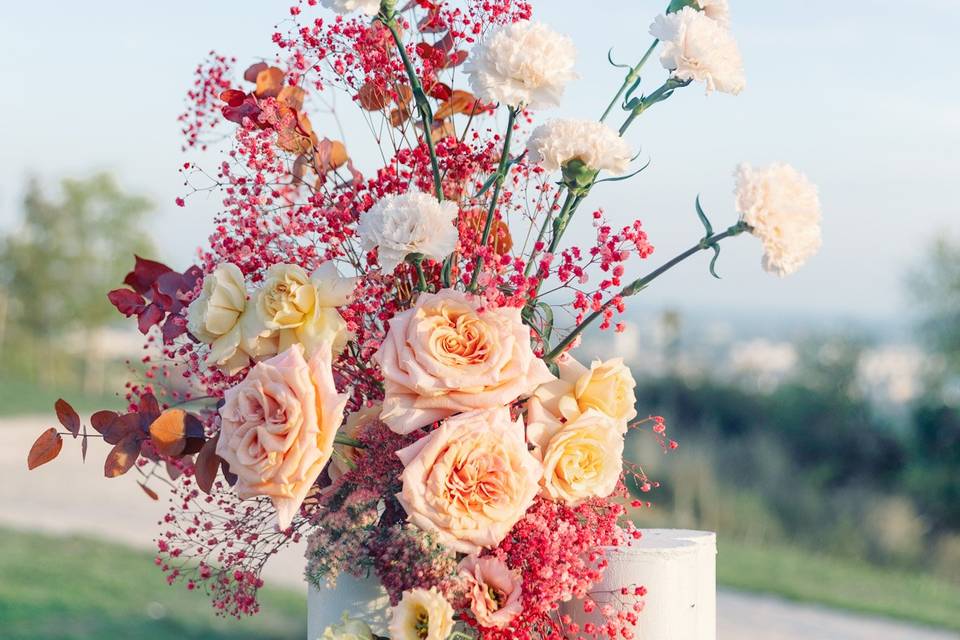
(696, 47)
(782, 207)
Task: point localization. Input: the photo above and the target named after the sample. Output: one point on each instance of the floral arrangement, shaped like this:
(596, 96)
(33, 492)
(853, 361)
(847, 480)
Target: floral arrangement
(383, 359)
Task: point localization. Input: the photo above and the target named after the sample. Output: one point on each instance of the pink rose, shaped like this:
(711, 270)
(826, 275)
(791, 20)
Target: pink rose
(444, 356)
(493, 590)
(278, 427)
(470, 480)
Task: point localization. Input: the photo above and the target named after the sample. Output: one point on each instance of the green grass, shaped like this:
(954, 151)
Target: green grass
(70, 588)
(19, 397)
(844, 584)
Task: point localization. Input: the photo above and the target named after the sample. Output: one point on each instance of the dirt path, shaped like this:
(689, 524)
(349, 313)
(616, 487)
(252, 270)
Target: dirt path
(66, 496)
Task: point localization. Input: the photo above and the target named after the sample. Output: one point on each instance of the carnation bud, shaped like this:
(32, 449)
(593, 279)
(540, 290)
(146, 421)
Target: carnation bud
(388, 9)
(677, 5)
(578, 177)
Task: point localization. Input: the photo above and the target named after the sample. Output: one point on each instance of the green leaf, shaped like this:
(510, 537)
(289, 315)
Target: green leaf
(703, 218)
(713, 261)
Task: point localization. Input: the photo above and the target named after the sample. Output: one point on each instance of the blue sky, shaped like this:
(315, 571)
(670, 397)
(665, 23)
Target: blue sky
(862, 96)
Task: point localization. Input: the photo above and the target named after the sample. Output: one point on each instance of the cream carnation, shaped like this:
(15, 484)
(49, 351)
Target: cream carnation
(444, 356)
(470, 480)
(369, 7)
(523, 63)
(554, 144)
(348, 629)
(718, 10)
(214, 317)
(582, 458)
(278, 426)
(696, 47)
(782, 208)
(421, 615)
(406, 224)
(492, 590)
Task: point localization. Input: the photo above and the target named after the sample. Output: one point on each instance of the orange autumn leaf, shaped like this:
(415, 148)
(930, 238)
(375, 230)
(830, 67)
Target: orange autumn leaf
(150, 492)
(269, 83)
(250, 75)
(67, 416)
(45, 448)
(372, 98)
(330, 155)
(500, 239)
(399, 116)
(459, 102)
(442, 130)
(123, 456)
(171, 432)
(291, 96)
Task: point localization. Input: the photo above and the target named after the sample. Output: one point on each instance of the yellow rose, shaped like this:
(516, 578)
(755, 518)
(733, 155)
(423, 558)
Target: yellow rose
(582, 458)
(445, 356)
(470, 480)
(421, 615)
(348, 629)
(293, 308)
(278, 426)
(606, 386)
(214, 317)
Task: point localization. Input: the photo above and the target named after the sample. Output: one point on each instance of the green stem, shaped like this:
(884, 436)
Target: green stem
(632, 77)
(423, 105)
(642, 283)
(421, 279)
(495, 197)
(642, 104)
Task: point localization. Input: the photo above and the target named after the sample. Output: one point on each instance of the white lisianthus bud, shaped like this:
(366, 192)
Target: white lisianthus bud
(368, 7)
(782, 209)
(348, 629)
(523, 63)
(555, 144)
(411, 223)
(696, 47)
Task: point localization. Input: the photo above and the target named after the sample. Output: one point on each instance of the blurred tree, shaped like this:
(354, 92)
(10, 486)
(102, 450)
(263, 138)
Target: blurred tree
(935, 287)
(56, 268)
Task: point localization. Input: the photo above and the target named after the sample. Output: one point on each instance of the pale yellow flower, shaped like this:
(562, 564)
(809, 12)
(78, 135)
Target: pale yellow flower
(607, 386)
(421, 615)
(348, 629)
(214, 317)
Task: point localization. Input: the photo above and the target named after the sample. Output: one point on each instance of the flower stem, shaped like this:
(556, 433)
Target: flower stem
(632, 77)
(642, 104)
(642, 283)
(423, 105)
(421, 279)
(501, 175)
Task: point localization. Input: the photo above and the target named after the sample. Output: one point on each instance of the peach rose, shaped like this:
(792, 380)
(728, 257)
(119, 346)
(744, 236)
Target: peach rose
(278, 427)
(470, 480)
(444, 356)
(582, 458)
(493, 590)
(606, 386)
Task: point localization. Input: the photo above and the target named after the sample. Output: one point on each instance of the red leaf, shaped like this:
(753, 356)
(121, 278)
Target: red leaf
(126, 301)
(45, 448)
(205, 468)
(145, 273)
(250, 75)
(173, 327)
(233, 97)
(123, 456)
(101, 420)
(424, 50)
(67, 416)
(150, 316)
(150, 492)
(149, 410)
(246, 109)
(120, 427)
(456, 58)
(228, 475)
(440, 91)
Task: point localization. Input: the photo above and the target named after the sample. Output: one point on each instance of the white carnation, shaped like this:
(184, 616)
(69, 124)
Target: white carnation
(523, 63)
(554, 144)
(783, 210)
(718, 10)
(695, 47)
(410, 223)
(369, 7)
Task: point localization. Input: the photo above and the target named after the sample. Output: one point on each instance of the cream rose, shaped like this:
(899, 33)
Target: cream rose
(348, 629)
(278, 426)
(470, 480)
(444, 356)
(421, 615)
(582, 458)
(493, 590)
(214, 317)
(606, 386)
(294, 308)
